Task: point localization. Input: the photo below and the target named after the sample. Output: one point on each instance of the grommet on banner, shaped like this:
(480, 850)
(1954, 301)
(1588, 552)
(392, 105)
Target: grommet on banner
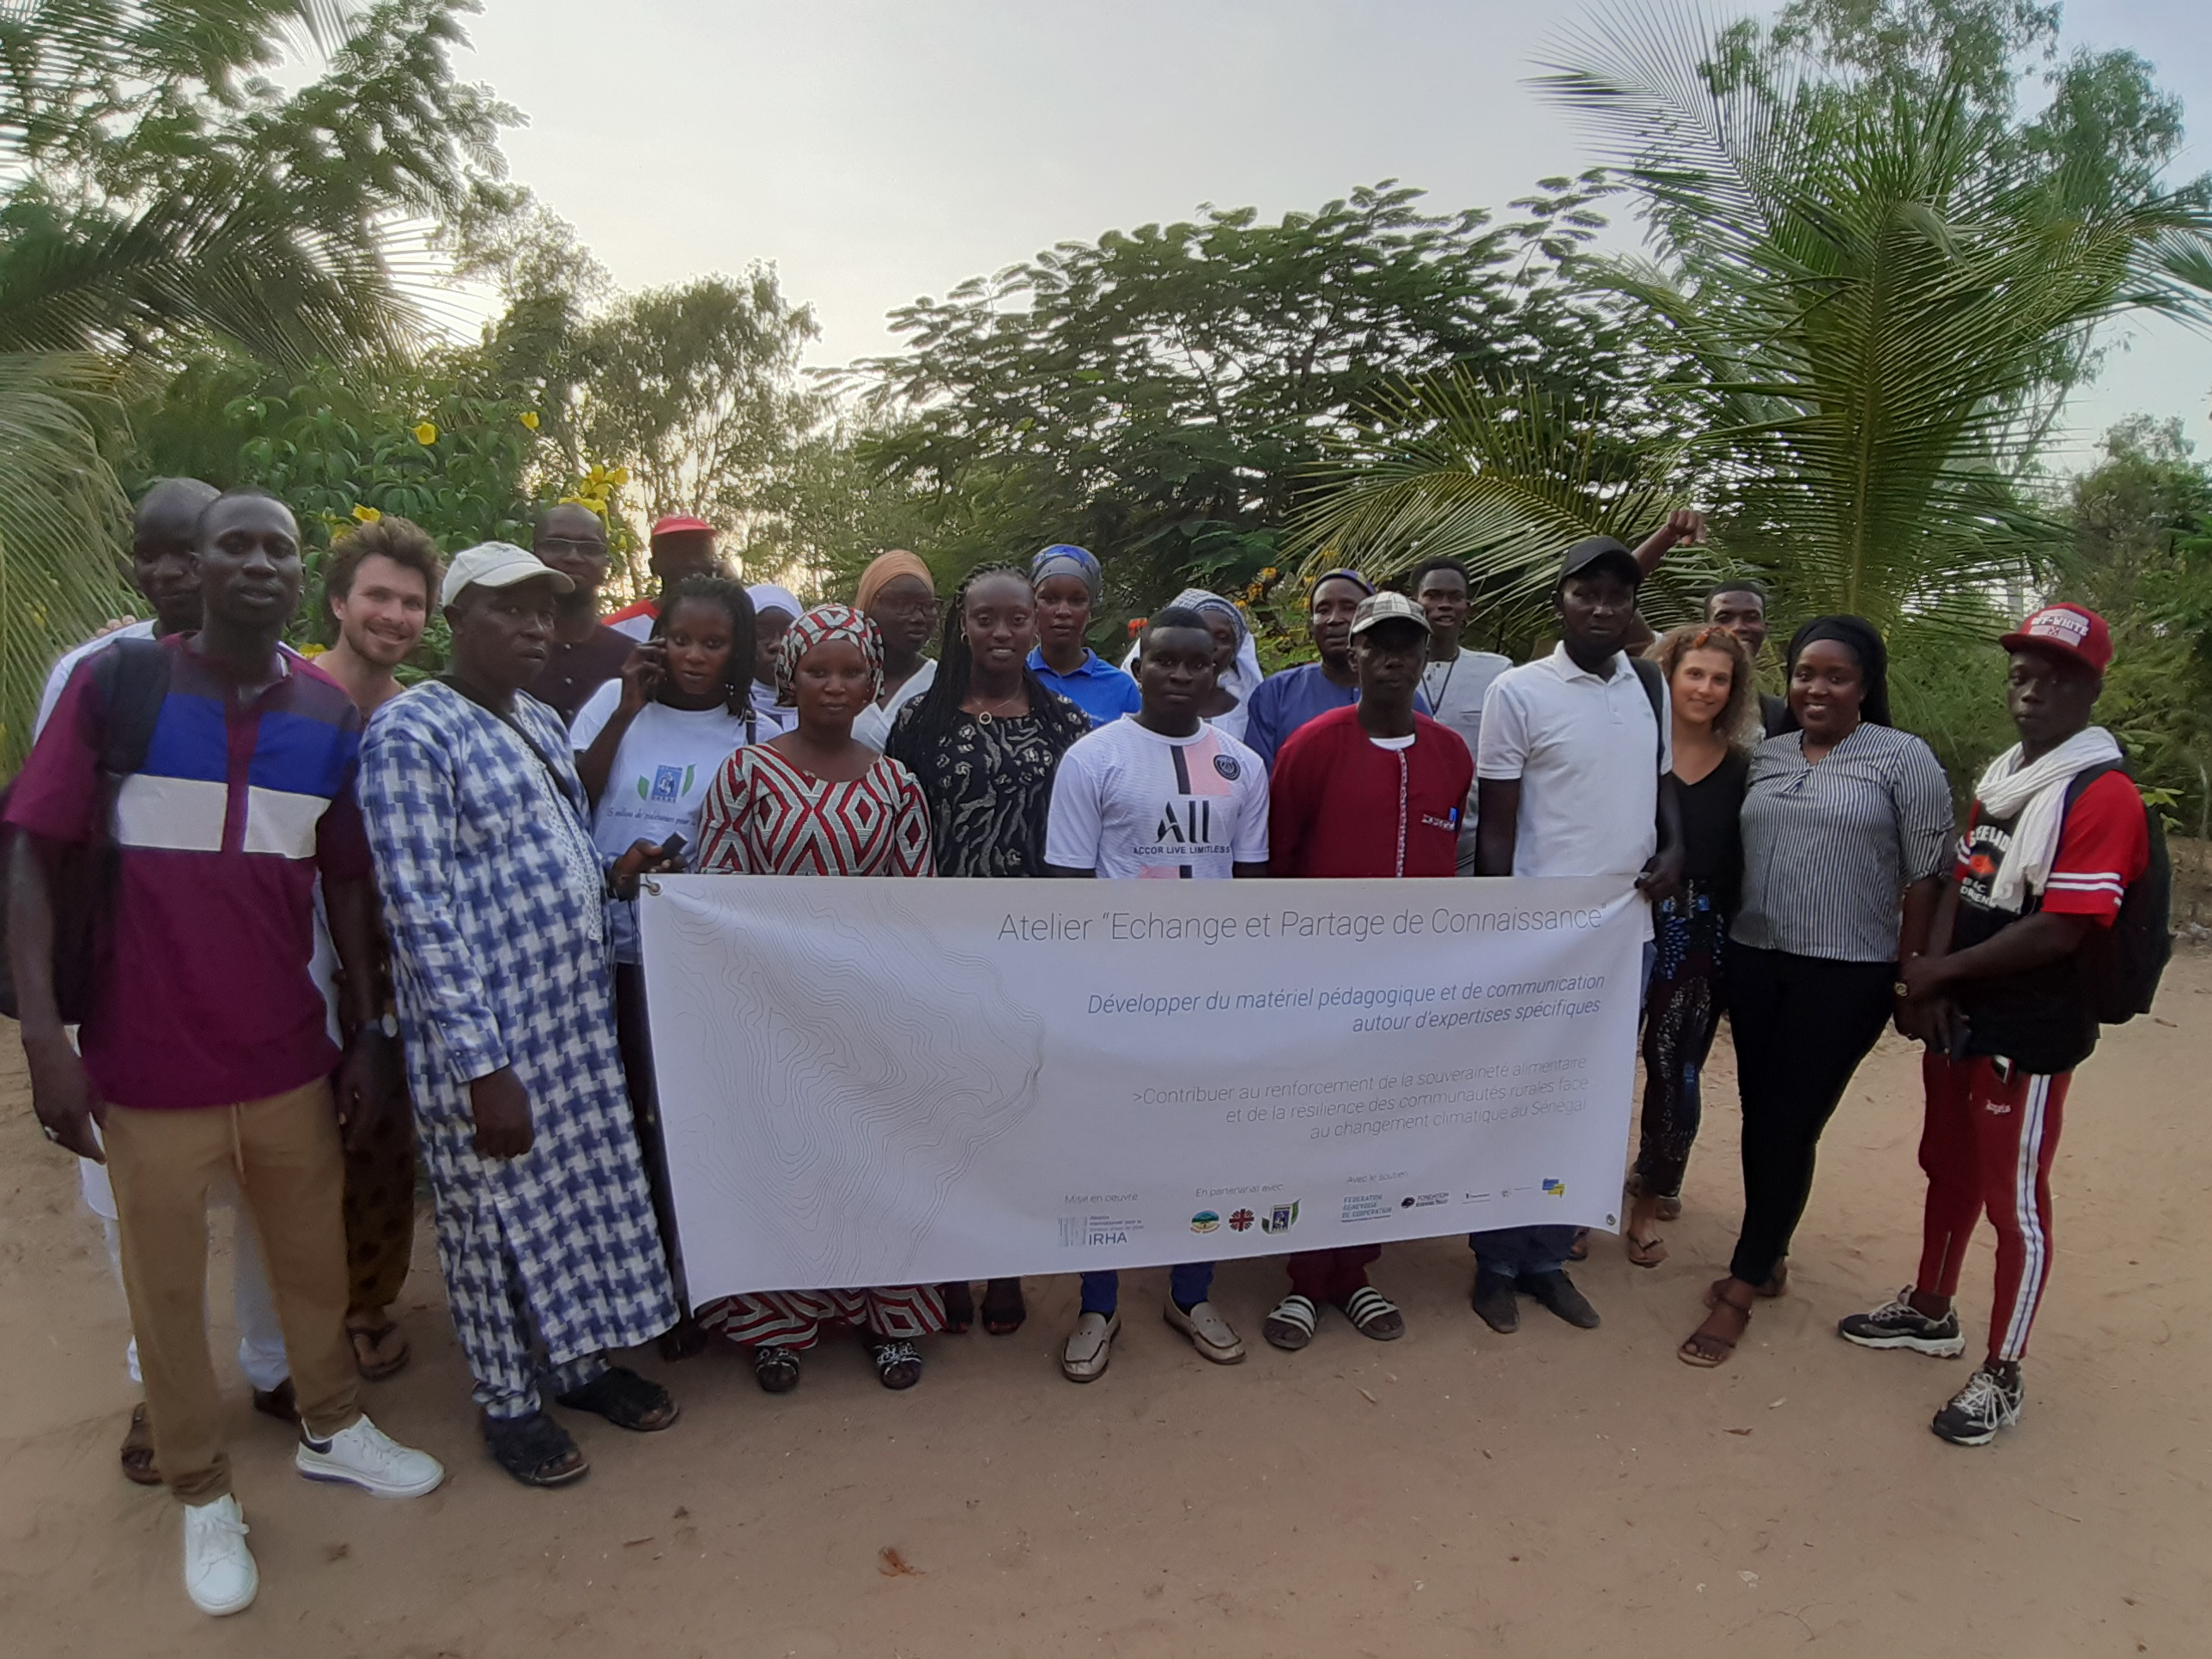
(649, 884)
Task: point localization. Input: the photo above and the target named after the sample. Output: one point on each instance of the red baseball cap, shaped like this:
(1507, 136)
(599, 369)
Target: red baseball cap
(2069, 630)
(677, 525)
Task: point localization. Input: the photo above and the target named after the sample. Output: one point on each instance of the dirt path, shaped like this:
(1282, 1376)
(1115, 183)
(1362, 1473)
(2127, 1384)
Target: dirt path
(1557, 1493)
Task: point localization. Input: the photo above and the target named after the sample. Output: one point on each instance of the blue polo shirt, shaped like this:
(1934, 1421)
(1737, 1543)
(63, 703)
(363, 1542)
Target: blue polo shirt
(1097, 687)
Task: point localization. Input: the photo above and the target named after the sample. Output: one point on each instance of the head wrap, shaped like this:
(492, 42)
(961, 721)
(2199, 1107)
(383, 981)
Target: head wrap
(818, 626)
(884, 569)
(1342, 573)
(766, 596)
(1066, 559)
(1244, 674)
(1860, 638)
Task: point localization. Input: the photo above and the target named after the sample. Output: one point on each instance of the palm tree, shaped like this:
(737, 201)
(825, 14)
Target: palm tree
(1885, 292)
(1501, 477)
(156, 197)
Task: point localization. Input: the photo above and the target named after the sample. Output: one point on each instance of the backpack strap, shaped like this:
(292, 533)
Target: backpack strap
(2089, 775)
(133, 676)
(1655, 691)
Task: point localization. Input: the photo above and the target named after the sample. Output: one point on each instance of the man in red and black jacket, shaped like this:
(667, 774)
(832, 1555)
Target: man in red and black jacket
(1999, 1001)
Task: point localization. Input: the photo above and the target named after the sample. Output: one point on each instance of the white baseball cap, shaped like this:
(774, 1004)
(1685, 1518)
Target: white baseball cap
(497, 565)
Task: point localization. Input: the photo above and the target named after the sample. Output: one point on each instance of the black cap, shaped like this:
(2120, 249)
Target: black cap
(1602, 550)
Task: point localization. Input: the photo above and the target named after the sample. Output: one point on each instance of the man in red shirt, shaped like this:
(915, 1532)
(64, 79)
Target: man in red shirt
(681, 547)
(1999, 1001)
(1376, 789)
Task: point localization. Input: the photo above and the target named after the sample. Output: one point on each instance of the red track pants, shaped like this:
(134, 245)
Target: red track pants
(1986, 1143)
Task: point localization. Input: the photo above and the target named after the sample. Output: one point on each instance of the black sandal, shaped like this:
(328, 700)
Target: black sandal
(535, 1450)
(898, 1364)
(625, 1400)
(1003, 1307)
(776, 1369)
(959, 1307)
(138, 1450)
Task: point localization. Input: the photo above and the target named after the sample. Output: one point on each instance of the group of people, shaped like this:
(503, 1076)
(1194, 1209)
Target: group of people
(334, 929)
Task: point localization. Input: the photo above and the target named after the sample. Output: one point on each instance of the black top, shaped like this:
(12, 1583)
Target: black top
(1712, 841)
(989, 785)
(572, 672)
(1774, 715)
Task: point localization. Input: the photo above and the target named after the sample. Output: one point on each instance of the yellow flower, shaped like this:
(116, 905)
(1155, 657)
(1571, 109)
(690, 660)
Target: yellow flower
(425, 434)
(366, 514)
(619, 477)
(313, 650)
(1269, 573)
(529, 418)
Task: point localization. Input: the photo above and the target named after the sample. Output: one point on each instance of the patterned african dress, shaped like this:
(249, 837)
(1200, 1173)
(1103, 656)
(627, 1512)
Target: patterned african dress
(765, 817)
(493, 895)
(989, 783)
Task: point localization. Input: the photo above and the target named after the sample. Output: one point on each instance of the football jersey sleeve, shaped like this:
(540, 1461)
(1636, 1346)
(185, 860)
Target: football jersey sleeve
(1074, 819)
(2105, 845)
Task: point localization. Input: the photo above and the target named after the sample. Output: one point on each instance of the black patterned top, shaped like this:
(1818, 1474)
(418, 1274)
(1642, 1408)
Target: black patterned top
(988, 784)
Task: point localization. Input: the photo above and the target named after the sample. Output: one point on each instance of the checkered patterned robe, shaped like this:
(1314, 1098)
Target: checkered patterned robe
(492, 892)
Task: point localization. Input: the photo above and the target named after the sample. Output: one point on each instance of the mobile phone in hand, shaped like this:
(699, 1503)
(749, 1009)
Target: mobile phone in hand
(673, 846)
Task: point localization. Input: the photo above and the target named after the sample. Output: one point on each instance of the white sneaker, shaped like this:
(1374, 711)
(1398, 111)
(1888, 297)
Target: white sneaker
(219, 1571)
(1090, 1347)
(1209, 1333)
(364, 1455)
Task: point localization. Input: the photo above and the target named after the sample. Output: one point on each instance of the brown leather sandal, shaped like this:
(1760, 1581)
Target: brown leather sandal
(1707, 1348)
(379, 1349)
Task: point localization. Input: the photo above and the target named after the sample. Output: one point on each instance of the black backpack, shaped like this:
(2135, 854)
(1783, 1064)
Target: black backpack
(1655, 693)
(132, 676)
(2118, 967)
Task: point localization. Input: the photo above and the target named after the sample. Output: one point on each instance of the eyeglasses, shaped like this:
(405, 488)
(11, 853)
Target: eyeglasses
(572, 545)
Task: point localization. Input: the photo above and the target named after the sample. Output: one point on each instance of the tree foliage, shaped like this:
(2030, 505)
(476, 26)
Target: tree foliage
(1880, 277)
(160, 200)
(1157, 394)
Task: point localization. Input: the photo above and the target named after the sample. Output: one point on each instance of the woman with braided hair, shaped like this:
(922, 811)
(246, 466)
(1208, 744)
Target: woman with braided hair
(984, 741)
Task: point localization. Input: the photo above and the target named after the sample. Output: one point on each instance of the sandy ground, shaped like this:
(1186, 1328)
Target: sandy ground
(1557, 1493)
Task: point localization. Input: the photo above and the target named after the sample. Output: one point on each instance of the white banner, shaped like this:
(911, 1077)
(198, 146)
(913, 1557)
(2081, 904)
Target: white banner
(903, 1082)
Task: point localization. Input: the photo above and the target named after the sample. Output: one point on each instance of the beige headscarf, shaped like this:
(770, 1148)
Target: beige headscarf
(884, 569)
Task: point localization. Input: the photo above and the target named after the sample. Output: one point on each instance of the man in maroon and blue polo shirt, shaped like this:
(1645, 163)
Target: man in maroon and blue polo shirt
(205, 1048)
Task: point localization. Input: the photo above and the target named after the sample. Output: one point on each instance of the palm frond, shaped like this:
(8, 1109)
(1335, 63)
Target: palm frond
(1501, 478)
(62, 523)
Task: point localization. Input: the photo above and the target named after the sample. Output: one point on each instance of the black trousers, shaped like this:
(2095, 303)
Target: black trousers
(1802, 1024)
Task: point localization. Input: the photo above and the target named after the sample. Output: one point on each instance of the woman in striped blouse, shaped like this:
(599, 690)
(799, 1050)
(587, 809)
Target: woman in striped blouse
(1846, 834)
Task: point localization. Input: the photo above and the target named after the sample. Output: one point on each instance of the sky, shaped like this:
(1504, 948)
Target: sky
(877, 150)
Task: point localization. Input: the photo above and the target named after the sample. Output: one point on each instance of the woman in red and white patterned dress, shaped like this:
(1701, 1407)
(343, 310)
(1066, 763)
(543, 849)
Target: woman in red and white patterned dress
(814, 802)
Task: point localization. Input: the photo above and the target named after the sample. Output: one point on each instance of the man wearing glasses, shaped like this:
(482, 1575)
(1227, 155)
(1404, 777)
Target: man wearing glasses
(585, 653)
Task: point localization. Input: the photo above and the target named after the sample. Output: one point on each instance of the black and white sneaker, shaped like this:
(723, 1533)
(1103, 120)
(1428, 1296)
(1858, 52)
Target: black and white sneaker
(1899, 1324)
(1988, 1402)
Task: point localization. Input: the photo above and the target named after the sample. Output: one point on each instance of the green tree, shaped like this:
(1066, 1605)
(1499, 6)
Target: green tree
(697, 388)
(160, 196)
(2142, 557)
(1157, 393)
(1882, 277)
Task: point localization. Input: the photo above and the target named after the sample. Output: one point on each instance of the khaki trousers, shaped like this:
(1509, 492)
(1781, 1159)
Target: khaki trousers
(284, 1154)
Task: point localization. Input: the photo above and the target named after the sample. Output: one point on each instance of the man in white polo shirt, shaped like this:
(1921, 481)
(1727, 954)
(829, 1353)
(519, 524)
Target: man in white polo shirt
(1572, 781)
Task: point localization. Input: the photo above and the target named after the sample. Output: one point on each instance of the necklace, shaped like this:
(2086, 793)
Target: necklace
(983, 715)
(1437, 697)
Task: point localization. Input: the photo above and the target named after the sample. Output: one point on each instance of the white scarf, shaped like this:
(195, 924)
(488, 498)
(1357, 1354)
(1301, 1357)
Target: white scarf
(2037, 794)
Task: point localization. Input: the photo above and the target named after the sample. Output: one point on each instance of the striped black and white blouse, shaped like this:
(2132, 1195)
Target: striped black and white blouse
(1830, 847)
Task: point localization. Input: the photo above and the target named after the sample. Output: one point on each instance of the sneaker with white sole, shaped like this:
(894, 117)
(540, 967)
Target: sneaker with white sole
(1897, 1324)
(1090, 1347)
(1209, 1333)
(364, 1455)
(1988, 1402)
(219, 1571)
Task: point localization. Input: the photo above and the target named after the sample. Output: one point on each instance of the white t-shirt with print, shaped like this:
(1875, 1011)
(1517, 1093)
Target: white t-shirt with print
(663, 768)
(1128, 802)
